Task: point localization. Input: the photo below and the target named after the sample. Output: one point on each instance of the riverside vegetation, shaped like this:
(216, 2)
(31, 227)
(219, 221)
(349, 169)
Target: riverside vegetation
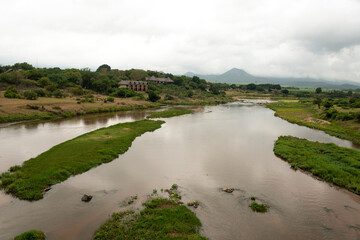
(72, 157)
(169, 113)
(338, 120)
(334, 164)
(31, 235)
(162, 218)
(46, 93)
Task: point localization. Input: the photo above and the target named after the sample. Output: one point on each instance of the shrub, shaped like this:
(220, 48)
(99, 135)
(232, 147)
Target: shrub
(190, 93)
(51, 87)
(169, 97)
(110, 99)
(40, 92)
(11, 92)
(30, 95)
(77, 91)
(57, 93)
(153, 97)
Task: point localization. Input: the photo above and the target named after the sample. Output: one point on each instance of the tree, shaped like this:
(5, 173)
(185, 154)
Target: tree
(318, 101)
(138, 74)
(23, 66)
(251, 86)
(44, 81)
(285, 91)
(318, 90)
(73, 76)
(196, 79)
(104, 68)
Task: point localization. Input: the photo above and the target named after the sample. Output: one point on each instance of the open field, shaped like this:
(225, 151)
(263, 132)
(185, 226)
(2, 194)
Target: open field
(337, 165)
(72, 157)
(46, 108)
(309, 115)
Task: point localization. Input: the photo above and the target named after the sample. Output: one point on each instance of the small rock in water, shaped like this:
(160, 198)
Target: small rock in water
(86, 198)
(228, 190)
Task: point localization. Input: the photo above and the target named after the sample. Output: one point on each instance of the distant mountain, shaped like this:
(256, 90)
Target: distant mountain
(239, 76)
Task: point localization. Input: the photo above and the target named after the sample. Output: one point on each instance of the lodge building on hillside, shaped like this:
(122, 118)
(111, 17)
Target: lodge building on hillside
(134, 85)
(159, 80)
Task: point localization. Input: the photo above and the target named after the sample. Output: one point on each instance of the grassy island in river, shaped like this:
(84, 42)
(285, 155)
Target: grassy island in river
(169, 113)
(72, 157)
(162, 218)
(337, 165)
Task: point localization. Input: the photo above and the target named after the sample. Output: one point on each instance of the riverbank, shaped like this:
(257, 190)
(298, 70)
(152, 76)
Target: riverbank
(336, 165)
(12, 110)
(29, 181)
(16, 110)
(305, 113)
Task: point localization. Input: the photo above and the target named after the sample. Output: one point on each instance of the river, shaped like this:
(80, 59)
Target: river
(220, 146)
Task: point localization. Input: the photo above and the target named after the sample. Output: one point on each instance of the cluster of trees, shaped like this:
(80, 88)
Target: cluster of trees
(340, 99)
(104, 81)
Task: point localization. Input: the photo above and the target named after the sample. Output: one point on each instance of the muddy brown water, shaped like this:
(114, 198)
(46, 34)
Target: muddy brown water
(222, 146)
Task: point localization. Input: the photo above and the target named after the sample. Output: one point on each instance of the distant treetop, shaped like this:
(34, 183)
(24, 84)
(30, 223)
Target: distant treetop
(104, 68)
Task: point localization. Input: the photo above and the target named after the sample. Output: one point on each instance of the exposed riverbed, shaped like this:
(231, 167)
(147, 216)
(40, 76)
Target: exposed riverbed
(222, 146)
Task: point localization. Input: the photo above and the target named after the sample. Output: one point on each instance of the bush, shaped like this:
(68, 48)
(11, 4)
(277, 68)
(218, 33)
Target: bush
(57, 93)
(40, 92)
(51, 87)
(331, 114)
(328, 103)
(110, 99)
(77, 91)
(11, 92)
(190, 93)
(169, 97)
(30, 95)
(153, 97)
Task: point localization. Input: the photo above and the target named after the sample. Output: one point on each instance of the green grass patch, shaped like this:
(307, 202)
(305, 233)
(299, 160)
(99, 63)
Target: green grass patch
(334, 164)
(72, 157)
(24, 117)
(31, 235)
(169, 113)
(160, 219)
(304, 113)
(258, 207)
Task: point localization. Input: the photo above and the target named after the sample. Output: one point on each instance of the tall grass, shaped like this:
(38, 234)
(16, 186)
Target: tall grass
(334, 164)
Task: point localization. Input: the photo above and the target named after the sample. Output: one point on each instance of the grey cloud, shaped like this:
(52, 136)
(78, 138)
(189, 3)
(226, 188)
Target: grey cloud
(280, 37)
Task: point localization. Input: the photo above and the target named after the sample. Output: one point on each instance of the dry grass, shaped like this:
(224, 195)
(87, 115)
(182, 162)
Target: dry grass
(57, 105)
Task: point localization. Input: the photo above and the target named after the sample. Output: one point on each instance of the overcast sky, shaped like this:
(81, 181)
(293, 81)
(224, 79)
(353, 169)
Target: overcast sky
(298, 38)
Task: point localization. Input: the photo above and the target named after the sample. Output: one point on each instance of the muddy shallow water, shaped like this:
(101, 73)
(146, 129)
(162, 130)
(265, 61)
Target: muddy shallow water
(221, 146)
